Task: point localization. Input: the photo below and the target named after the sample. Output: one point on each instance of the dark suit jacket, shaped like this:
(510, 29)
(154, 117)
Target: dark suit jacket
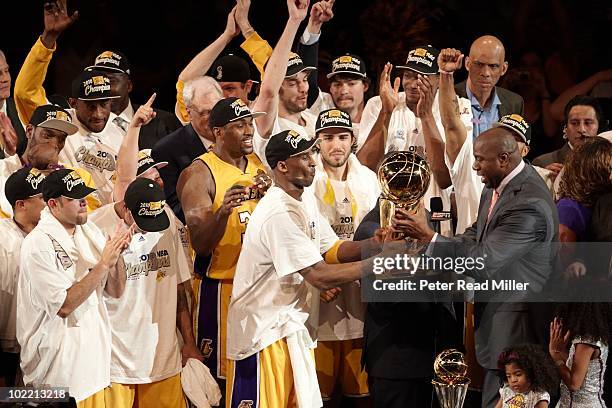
(510, 102)
(179, 149)
(11, 112)
(401, 340)
(515, 241)
(557, 156)
(162, 125)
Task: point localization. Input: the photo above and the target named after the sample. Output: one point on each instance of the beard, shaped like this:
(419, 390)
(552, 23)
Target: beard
(334, 161)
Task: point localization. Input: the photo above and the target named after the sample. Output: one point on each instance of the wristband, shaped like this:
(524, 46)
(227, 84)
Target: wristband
(440, 70)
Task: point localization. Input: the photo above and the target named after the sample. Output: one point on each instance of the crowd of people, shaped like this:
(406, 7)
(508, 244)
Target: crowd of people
(213, 255)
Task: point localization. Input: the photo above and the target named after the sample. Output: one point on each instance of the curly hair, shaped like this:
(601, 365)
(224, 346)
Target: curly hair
(587, 319)
(586, 174)
(537, 364)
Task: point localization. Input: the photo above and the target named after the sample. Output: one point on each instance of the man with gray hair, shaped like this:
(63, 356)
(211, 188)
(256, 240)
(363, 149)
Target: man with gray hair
(182, 146)
(15, 138)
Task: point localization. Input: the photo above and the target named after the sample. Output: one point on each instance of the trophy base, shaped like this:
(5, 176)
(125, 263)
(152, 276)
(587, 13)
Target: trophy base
(451, 396)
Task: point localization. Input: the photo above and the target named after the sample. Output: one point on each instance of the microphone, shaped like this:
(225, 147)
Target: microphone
(437, 213)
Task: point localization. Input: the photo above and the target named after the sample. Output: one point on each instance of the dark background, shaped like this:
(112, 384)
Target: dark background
(161, 37)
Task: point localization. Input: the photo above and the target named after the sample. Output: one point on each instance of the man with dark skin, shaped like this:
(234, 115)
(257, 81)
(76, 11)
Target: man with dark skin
(517, 222)
(218, 193)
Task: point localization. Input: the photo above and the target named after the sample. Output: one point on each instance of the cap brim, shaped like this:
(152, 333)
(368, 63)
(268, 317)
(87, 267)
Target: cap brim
(159, 223)
(61, 125)
(415, 69)
(158, 165)
(98, 98)
(334, 127)
(523, 137)
(79, 193)
(306, 148)
(251, 114)
(105, 68)
(359, 74)
(301, 69)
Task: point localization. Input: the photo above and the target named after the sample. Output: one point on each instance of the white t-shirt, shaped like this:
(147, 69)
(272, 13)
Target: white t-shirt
(8, 166)
(96, 153)
(145, 345)
(71, 352)
(406, 134)
(281, 124)
(10, 248)
(468, 185)
(270, 299)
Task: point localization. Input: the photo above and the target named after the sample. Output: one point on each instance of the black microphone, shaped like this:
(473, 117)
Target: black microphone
(437, 213)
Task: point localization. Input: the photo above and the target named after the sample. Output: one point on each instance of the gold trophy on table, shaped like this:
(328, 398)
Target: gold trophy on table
(404, 178)
(451, 382)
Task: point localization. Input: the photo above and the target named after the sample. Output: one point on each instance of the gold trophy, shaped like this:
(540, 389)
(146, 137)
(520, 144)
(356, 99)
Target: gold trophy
(451, 382)
(404, 178)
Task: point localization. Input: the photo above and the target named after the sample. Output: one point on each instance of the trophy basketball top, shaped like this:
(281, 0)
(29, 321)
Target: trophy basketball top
(450, 367)
(403, 176)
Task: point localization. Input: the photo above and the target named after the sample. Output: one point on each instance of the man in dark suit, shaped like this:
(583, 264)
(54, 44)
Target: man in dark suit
(583, 116)
(7, 107)
(117, 68)
(517, 220)
(401, 341)
(181, 147)
(486, 65)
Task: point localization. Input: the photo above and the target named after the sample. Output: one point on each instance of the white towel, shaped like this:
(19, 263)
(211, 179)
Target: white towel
(83, 250)
(199, 385)
(304, 371)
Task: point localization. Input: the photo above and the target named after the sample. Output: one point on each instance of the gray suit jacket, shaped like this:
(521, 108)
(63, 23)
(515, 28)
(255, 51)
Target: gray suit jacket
(514, 240)
(556, 156)
(510, 102)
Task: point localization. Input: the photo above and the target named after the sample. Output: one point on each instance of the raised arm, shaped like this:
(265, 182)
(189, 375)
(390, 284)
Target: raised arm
(373, 148)
(434, 144)
(127, 158)
(449, 61)
(277, 68)
(256, 47)
(29, 91)
(557, 108)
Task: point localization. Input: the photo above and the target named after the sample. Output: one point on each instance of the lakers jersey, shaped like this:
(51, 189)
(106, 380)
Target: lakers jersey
(222, 264)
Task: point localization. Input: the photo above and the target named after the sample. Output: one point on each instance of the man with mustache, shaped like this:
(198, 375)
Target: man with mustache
(346, 191)
(218, 192)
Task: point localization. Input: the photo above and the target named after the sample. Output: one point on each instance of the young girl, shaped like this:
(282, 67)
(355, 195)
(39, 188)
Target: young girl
(582, 369)
(528, 375)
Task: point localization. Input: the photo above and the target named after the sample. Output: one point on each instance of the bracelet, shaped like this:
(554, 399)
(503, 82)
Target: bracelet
(440, 70)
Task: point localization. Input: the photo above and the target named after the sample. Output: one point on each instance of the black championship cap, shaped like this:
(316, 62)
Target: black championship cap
(53, 117)
(111, 61)
(23, 184)
(517, 124)
(145, 162)
(146, 201)
(65, 183)
(229, 110)
(349, 65)
(333, 118)
(92, 86)
(286, 144)
(295, 65)
(423, 60)
(230, 68)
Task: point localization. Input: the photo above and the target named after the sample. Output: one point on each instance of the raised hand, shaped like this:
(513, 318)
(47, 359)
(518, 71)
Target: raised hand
(297, 9)
(232, 27)
(144, 114)
(389, 95)
(242, 15)
(8, 136)
(115, 245)
(558, 343)
(450, 60)
(427, 92)
(56, 20)
(320, 13)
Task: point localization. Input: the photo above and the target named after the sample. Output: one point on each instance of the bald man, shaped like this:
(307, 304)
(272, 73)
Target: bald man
(517, 220)
(486, 64)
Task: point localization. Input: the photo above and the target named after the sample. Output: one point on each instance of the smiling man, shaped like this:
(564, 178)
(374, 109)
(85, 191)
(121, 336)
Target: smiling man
(218, 192)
